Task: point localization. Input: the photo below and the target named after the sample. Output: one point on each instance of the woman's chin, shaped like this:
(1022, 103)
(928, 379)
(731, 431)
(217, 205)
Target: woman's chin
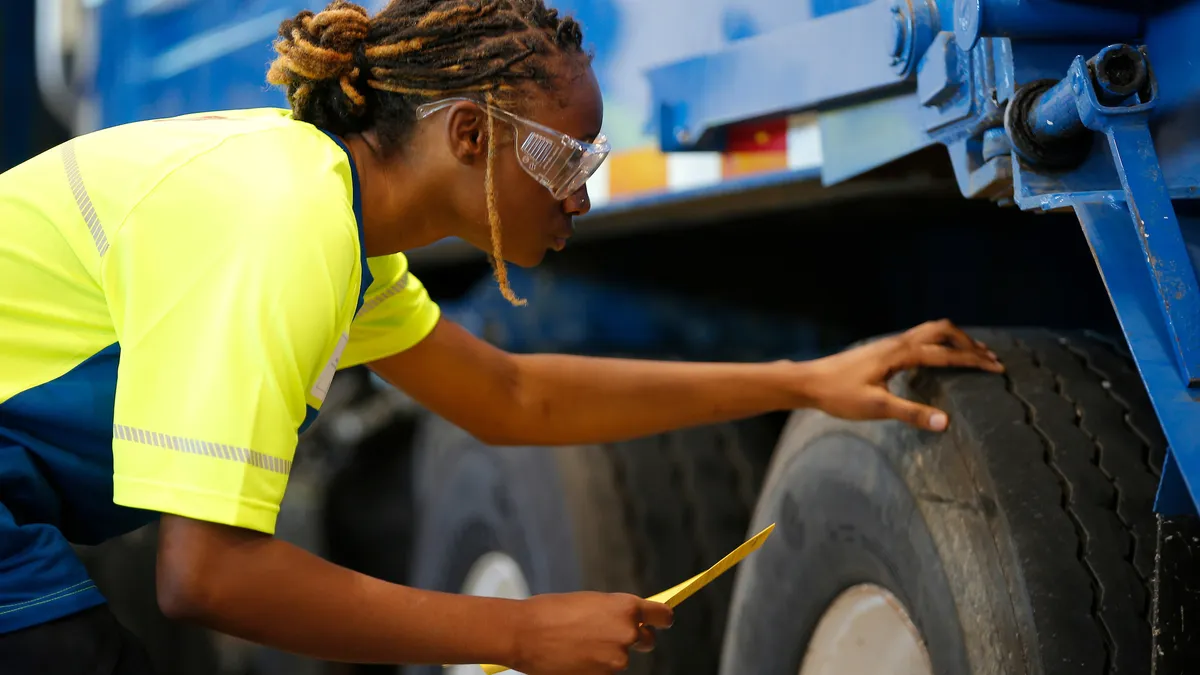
(526, 262)
(525, 259)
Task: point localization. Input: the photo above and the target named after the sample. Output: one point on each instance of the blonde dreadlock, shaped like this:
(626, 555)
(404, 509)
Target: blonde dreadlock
(345, 71)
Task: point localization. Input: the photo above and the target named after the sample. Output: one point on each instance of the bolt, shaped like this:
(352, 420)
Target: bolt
(1119, 71)
(899, 34)
(995, 144)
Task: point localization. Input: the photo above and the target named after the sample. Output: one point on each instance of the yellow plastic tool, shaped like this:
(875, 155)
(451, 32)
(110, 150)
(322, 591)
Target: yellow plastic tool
(677, 594)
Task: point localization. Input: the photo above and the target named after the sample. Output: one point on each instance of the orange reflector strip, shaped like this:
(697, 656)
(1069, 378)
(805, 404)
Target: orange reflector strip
(637, 171)
(751, 163)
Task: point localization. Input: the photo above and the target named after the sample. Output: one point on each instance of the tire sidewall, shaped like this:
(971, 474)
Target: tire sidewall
(845, 515)
(475, 499)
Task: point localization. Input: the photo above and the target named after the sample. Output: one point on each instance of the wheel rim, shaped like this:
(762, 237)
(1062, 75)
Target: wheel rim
(866, 630)
(494, 575)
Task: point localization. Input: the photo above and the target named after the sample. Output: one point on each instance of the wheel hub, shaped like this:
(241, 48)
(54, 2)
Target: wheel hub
(494, 575)
(866, 630)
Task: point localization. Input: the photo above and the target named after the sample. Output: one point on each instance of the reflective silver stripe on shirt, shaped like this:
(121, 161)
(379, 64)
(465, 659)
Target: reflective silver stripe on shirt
(204, 448)
(378, 300)
(320, 388)
(82, 200)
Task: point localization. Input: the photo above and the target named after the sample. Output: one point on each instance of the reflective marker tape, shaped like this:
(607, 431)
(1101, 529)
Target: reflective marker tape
(194, 446)
(320, 388)
(82, 199)
(391, 292)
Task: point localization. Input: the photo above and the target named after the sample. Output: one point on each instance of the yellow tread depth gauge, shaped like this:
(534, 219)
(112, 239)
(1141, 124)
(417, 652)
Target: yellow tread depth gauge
(677, 594)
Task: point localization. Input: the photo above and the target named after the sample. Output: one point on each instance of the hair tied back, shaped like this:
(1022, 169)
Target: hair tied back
(323, 66)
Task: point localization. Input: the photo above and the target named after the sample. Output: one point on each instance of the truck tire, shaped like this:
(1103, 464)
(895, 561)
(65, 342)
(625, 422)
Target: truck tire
(1020, 541)
(635, 517)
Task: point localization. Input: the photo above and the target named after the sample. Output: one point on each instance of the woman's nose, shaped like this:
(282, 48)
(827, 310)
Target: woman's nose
(578, 203)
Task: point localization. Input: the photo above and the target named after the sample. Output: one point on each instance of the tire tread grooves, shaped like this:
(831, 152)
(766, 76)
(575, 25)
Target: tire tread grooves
(1065, 408)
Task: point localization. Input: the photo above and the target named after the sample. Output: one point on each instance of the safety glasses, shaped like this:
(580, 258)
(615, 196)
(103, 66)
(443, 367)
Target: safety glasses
(561, 163)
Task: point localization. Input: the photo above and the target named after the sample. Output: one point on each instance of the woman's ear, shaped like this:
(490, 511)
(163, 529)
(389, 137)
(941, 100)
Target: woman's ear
(466, 133)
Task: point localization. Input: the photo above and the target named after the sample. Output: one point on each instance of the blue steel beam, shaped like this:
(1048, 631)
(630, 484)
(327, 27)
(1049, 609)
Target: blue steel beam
(1117, 248)
(1040, 19)
(792, 68)
(797, 67)
(1163, 248)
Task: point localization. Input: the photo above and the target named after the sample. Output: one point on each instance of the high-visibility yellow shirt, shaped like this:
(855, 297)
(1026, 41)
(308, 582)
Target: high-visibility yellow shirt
(175, 298)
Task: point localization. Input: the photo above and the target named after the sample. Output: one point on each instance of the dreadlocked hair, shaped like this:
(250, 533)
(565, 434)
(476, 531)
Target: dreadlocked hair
(346, 71)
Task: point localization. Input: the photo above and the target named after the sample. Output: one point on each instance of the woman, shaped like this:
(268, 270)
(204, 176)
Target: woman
(177, 295)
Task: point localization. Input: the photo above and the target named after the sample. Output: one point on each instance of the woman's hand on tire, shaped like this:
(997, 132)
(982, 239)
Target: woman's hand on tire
(585, 633)
(853, 384)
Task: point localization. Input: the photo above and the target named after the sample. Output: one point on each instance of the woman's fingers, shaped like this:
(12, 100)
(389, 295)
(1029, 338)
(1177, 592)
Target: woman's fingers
(943, 331)
(938, 356)
(646, 639)
(916, 414)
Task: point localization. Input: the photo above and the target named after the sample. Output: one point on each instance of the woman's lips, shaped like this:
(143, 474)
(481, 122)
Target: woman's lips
(561, 237)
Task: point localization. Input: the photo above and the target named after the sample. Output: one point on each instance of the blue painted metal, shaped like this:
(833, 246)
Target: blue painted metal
(823, 7)
(1149, 203)
(1117, 246)
(966, 75)
(860, 137)
(785, 69)
(163, 57)
(1143, 255)
(914, 24)
(1174, 497)
(1057, 115)
(1040, 19)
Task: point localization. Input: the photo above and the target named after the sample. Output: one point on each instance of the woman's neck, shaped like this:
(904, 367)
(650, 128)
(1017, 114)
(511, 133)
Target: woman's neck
(399, 212)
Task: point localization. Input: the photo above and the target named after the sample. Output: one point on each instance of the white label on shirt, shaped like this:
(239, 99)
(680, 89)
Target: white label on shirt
(321, 387)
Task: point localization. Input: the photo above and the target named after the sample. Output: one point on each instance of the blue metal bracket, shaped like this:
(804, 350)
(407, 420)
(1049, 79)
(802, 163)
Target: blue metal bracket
(1121, 261)
(789, 69)
(1149, 204)
(1135, 233)
(1054, 132)
(1173, 497)
(773, 73)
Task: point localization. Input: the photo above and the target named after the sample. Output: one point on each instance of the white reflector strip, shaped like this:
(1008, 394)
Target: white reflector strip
(82, 200)
(194, 446)
(321, 387)
(390, 292)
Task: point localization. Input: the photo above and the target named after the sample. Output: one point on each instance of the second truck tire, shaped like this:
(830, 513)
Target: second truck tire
(1020, 541)
(635, 517)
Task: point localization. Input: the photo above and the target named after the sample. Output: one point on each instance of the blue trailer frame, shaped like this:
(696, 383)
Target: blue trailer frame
(1091, 106)
(946, 73)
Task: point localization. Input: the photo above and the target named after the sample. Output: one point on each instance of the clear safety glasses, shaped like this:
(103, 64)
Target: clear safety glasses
(561, 163)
